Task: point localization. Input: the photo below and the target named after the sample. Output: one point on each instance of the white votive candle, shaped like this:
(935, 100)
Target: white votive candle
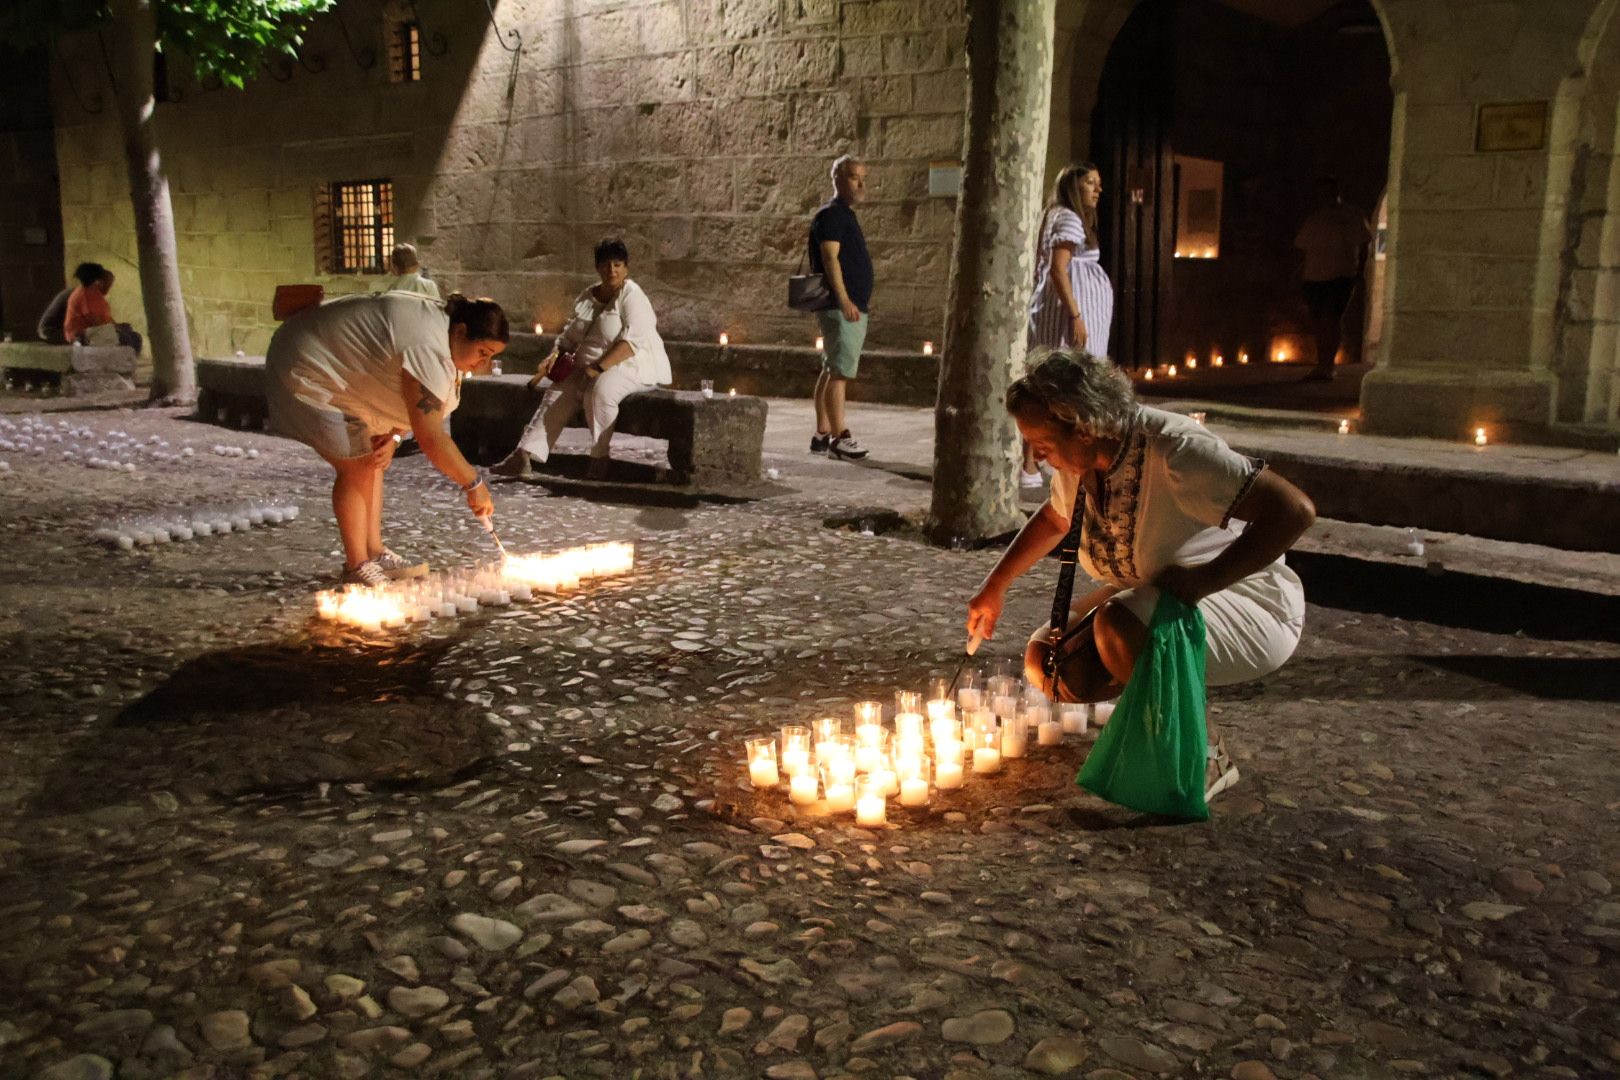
(986, 759)
(885, 780)
(1072, 716)
(914, 791)
(840, 798)
(802, 789)
(796, 762)
(948, 771)
(1101, 711)
(1050, 733)
(1014, 739)
(871, 810)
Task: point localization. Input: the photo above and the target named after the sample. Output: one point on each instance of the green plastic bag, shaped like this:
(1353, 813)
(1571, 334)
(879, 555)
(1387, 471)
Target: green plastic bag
(1150, 756)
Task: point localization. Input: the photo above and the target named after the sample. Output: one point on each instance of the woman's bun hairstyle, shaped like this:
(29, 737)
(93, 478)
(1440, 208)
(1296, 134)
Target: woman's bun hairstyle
(483, 317)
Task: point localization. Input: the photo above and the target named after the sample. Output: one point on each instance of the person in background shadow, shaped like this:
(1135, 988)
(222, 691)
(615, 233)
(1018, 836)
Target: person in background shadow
(1334, 241)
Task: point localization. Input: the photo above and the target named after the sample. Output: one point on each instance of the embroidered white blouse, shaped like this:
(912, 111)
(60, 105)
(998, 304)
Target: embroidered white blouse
(1169, 499)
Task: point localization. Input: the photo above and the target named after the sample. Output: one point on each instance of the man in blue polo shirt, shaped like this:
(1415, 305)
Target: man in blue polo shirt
(838, 253)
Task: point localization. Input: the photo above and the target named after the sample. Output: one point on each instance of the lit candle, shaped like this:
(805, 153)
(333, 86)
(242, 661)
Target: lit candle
(1243, 356)
(1147, 376)
(762, 762)
(802, 788)
(1049, 733)
(948, 766)
(1072, 717)
(969, 698)
(868, 713)
(1479, 436)
(908, 727)
(725, 338)
(732, 392)
(885, 780)
(1171, 371)
(840, 798)
(821, 343)
(1101, 711)
(538, 329)
(870, 810)
(1014, 738)
(914, 791)
(795, 761)
(1217, 360)
(986, 759)
(1004, 705)
(1344, 427)
(928, 348)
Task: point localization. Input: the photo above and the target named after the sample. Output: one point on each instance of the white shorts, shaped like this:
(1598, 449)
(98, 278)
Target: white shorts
(1250, 629)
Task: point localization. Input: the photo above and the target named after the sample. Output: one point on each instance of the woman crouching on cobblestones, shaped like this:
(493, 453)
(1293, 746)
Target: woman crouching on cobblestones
(350, 377)
(1160, 495)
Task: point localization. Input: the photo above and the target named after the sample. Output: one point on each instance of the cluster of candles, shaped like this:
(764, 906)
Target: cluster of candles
(117, 451)
(224, 450)
(932, 745)
(516, 579)
(129, 533)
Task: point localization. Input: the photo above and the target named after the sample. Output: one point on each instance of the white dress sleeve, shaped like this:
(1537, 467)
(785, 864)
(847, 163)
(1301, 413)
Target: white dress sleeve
(1061, 496)
(579, 320)
(424, 353)
(1067, 228)
(640, 323)
(1207, 478)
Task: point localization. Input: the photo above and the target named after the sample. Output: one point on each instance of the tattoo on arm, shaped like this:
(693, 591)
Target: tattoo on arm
(429, 403)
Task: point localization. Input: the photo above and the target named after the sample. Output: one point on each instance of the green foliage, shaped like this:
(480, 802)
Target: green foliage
(229, 38)
(223, 38)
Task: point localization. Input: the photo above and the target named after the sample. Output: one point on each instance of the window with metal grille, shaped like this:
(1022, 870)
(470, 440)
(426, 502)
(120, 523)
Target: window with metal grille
(362, 225)
(405, 52)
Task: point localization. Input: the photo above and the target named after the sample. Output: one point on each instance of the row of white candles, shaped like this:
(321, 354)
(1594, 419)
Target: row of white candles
(162, 528)
(516, 579)
(928, 747)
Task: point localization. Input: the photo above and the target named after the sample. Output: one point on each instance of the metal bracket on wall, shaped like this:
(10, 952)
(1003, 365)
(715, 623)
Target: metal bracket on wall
(279, 68)
(516, 37)
(313, 64)
(96, 103)
(365, 57)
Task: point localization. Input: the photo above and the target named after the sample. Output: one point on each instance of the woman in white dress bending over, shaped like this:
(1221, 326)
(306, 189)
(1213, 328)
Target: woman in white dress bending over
(613, 335)
(1073, 303)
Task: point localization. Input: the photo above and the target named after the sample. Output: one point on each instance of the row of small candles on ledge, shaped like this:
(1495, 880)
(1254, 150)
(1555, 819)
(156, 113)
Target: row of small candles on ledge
(516, 579)
(933, 745)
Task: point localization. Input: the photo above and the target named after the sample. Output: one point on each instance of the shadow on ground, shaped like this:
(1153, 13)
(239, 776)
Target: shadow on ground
(277, 718)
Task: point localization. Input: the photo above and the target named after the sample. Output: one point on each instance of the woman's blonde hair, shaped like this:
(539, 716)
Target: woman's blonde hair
(1067, 194)
(1088, 393)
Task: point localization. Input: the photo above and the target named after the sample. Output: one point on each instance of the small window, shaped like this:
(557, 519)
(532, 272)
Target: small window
(362, 225)
(405, 52)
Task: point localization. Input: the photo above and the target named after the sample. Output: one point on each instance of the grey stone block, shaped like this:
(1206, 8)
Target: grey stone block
(114, 360)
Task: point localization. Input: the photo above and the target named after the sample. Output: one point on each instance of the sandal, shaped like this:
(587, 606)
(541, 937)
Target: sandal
(1221, 772)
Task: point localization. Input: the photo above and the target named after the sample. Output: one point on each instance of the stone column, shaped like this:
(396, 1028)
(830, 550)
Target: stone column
(1475, 236)
(1009, 94)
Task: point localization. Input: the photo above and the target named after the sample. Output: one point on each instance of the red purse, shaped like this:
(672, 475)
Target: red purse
(563, 365)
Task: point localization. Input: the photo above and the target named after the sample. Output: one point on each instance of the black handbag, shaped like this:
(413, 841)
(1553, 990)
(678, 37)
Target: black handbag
(809, 292)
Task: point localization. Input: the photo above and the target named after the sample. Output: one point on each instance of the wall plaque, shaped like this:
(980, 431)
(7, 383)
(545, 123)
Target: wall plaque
(1515, 126)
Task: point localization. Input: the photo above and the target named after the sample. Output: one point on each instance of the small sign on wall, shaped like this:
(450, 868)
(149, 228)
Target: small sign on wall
(1511, 126)
(944, 178)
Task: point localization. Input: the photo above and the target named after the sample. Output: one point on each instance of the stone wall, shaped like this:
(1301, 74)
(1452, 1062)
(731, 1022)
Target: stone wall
(699, 130)
(31, 269)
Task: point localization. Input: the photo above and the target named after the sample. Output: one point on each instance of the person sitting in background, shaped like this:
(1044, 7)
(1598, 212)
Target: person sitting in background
(88, 308)
(404, 263)
(613, 335)
(55, 314)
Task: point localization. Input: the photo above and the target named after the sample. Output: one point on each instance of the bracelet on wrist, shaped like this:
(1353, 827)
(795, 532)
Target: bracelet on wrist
(471, 485)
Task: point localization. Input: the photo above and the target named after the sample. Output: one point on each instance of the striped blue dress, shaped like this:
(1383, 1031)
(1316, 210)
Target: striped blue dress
(1048, 320)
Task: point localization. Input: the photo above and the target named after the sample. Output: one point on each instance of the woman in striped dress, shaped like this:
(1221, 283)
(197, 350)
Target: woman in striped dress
(1073, 302)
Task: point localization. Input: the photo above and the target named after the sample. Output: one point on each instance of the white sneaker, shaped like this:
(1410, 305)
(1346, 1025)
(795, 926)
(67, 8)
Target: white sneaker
(1031, 479)
(847, 448)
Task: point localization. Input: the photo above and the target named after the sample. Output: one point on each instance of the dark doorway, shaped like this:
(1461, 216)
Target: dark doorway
(1212, 126)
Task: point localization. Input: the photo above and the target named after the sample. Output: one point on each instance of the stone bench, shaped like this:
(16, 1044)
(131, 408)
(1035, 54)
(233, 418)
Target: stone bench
(231, 392)
(81, 369)
(714, 443)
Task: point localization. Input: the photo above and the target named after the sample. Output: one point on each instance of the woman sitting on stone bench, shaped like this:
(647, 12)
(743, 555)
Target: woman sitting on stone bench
(613, 336)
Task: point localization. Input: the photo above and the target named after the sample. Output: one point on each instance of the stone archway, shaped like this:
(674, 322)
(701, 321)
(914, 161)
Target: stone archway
(1583, 228)
(1088, 33)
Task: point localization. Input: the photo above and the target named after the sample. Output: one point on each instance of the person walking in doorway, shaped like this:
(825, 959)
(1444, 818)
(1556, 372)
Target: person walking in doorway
(838, 253)
(1334, 241)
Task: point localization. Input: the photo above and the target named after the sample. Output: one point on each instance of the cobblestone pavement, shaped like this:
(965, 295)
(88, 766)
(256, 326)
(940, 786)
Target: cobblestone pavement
(236, 843)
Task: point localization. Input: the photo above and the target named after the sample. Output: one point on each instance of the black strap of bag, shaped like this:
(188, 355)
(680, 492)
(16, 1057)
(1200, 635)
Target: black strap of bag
(1063, 595)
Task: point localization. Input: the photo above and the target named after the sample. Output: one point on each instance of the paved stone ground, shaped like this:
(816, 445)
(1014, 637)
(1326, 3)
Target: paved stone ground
(235, 843)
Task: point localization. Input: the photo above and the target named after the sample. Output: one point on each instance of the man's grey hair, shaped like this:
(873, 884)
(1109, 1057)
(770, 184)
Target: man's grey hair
(1088, 393)
(403, 258)
(841, 167)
